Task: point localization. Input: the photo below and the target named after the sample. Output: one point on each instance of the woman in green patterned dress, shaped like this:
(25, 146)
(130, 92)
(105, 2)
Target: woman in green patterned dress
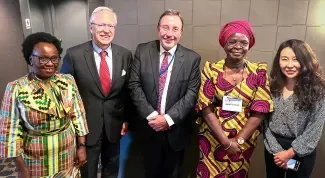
(41, 115)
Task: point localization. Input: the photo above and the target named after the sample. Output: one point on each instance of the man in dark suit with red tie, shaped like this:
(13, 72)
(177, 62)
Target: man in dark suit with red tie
(101, 71)
(164, 81)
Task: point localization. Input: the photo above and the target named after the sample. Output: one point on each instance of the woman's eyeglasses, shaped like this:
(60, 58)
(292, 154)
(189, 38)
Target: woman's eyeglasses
(45, 60)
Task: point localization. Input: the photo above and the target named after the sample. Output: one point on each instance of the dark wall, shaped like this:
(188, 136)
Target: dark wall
(12, 64)
(95, 3)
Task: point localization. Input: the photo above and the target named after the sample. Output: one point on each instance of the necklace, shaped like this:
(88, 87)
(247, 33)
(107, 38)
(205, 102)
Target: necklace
(233, 78)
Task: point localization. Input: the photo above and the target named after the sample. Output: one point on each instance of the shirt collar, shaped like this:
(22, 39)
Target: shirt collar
(98, 49)
(171, 51)
(32, 76)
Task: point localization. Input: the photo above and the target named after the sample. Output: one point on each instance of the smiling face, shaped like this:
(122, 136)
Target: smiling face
(102, 28)
(170, 31)
(237, 46)
(41, 52)
(289, 64)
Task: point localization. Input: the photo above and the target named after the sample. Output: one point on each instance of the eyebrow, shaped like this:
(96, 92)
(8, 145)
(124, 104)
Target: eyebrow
(235, 39)
(173, 26)
(288, 57)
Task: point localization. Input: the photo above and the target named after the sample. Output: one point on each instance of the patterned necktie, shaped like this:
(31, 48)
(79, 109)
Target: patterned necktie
(162, 79)
(104, 73)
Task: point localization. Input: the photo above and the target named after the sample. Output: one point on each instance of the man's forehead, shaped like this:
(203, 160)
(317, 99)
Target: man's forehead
(104, 15)
(173, 17)
(172, 20)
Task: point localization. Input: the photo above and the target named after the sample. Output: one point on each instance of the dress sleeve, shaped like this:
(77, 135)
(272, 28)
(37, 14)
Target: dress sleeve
(11, 129)
(207, 89)
(262, 101)
(78, 114)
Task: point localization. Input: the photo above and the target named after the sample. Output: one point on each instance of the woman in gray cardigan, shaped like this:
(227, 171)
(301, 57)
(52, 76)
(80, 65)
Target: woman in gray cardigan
(294, 128)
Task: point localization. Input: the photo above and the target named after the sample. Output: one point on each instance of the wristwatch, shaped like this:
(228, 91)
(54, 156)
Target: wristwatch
(240, 140)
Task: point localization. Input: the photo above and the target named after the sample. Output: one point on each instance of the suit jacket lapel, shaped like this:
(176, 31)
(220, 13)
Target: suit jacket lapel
(154, 58)
(178, 63)
(117, 62)
(90, 60)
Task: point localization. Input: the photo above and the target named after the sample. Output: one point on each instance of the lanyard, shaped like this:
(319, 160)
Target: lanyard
(162, 71)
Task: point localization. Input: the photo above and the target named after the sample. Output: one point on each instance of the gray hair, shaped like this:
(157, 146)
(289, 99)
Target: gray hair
(98, 9)
(171, 12)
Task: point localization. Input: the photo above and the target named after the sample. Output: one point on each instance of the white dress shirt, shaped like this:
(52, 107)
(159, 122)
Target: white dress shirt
(164, 95)
(109, 58)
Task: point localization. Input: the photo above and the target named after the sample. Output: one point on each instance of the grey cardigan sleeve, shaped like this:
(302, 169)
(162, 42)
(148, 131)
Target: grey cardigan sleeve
(270, 142)
(306, 143)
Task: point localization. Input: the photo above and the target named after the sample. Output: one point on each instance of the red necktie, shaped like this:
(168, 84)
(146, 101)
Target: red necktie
(104, 73)
(162, 79)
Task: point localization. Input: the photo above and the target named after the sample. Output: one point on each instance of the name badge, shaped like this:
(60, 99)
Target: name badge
(230, 103)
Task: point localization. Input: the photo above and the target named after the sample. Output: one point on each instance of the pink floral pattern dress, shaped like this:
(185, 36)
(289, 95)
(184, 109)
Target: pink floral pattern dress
(254, 91)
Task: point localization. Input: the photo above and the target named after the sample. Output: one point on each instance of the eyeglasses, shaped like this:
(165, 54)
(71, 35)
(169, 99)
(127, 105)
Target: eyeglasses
(45, 60)
(233, 43)
(103, 26)
(166, 28)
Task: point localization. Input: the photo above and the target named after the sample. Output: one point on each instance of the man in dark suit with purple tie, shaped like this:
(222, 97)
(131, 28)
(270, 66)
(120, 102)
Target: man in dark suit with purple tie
(164, 81)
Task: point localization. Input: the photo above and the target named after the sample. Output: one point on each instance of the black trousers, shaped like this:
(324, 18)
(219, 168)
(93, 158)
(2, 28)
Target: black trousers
(306, 163)
(160, 160)
(110, 154)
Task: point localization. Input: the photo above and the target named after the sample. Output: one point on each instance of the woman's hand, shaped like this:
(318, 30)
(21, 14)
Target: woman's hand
(233, 147)
(81, 156)
(281, 158)
(22, 169)
(25, 173)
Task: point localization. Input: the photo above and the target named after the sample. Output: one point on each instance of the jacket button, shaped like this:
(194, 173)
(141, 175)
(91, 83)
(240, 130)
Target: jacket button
(102, 115)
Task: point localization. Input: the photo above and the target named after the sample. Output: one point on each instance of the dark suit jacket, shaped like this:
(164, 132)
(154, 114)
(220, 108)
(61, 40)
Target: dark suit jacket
(181, 95)
(101, 110)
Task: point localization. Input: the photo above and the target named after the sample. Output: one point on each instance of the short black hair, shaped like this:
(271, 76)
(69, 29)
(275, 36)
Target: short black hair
(31, 40)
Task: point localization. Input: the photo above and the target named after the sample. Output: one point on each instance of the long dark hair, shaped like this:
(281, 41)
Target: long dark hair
(310, 83)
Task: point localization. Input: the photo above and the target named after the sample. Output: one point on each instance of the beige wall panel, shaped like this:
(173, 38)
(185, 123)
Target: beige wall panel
(263, 12)
(206, 12)
(292, 12)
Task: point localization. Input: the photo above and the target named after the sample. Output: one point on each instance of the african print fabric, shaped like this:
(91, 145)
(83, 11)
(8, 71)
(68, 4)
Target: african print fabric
(39, 120)
(255, 93)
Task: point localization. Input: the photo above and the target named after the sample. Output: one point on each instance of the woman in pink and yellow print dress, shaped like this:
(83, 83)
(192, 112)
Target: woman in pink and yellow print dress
(233, 99)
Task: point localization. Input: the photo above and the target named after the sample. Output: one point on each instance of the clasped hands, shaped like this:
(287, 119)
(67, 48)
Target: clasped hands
(232, 147)
(158, 123)
(281, 158)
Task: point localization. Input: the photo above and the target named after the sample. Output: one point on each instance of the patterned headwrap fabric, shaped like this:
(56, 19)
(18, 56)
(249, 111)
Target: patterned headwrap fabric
(238, 26)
